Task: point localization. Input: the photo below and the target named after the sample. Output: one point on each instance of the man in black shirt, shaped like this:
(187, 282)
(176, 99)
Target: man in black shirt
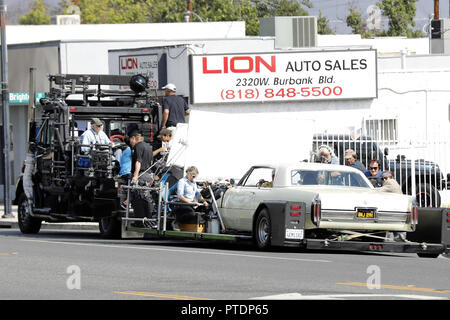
(141, 161)
(142, 156)
(175, 107)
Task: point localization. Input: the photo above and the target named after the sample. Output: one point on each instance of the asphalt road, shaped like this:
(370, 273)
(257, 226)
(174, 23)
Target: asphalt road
(79, 265)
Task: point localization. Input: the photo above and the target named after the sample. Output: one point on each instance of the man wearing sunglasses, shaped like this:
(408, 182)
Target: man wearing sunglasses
(95, 135)
(374, 173)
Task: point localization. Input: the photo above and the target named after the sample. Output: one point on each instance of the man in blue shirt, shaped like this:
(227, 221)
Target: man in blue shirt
(352, 161)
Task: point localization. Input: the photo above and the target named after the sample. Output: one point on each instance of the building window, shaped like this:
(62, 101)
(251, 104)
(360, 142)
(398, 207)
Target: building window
(385, 131)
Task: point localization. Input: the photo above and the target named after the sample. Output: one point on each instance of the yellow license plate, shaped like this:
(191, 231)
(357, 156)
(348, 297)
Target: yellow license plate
(365, 214)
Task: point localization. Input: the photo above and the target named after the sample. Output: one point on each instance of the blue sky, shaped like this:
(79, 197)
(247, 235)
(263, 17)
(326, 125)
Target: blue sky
(337, 10)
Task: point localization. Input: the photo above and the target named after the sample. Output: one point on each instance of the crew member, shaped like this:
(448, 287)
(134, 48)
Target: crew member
(391, 185)
(142, 158)
(352, 161)
(162, 143)
(95, 135)
(374, 173)
(326, 155)
(175, 107)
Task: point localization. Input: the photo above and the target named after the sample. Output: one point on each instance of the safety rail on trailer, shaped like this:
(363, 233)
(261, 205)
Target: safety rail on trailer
(158, 226)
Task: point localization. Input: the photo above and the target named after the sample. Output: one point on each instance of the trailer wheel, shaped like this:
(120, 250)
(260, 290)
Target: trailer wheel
(110, 227)
(428, 255)
(427, 196)
(27, 223)
(262, 230)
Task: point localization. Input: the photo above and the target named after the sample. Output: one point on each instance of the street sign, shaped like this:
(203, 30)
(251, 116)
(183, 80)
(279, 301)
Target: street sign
(23, 97)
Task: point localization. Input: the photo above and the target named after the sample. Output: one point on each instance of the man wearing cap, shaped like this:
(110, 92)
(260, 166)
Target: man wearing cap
(175, 107)
(350, 160)
(389, 183)
(95, 135)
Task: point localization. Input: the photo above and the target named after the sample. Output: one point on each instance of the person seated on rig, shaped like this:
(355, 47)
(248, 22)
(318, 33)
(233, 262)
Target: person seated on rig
(188, 193)
(95, 135)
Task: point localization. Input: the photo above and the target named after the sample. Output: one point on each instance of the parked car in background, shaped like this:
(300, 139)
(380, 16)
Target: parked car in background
(425, 175)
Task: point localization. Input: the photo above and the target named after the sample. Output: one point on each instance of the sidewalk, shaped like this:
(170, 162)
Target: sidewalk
(12, 223)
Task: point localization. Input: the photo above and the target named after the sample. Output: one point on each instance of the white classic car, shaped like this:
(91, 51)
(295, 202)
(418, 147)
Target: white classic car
(336, 198)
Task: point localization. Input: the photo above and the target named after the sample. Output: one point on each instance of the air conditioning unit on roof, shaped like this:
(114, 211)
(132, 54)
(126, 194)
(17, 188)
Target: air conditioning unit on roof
(68, 19)
(290, 32)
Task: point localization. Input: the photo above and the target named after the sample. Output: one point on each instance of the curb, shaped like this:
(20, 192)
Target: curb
(13, 224)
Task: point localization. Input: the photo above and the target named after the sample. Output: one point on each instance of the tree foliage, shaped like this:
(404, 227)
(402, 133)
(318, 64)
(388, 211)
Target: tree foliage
(355, 21)
(37, 14)
(158, 11)
(401, 14)
(281, 7)
(323, 24)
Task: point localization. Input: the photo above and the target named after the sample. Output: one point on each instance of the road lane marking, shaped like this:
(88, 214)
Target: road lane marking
(299, 296)
(177, 250)
(385, 286)
(159, 295)
(7, 253)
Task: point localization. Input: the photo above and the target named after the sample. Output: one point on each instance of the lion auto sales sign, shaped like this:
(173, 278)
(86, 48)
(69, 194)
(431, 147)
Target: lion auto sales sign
(146, 65)
(287, 76)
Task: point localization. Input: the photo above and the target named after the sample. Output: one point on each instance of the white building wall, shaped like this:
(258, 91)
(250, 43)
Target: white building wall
(126, 32)
(386, 46)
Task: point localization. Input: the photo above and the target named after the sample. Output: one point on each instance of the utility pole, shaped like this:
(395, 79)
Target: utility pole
(189, 9)
(6, 143)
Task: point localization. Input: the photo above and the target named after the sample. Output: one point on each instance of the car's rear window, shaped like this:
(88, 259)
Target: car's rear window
(324, 177)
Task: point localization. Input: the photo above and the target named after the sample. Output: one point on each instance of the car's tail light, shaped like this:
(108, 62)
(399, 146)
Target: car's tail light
(295, 211)
(415, 215)
(316, 210)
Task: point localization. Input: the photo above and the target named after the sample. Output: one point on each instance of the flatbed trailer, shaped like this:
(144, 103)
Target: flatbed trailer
(430, 239)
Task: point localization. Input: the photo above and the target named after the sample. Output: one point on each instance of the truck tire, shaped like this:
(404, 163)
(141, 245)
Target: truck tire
(110, 227)
(262, 231)
(428, 255)
(27, 223)
(427, 196)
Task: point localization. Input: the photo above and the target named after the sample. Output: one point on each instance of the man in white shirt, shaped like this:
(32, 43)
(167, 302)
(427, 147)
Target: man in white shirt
(94, 135)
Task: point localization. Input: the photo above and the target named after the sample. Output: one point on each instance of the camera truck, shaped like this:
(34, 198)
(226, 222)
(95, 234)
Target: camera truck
(65, 181)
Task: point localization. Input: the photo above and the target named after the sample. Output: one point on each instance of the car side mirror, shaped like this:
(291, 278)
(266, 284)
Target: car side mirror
(232, 182)
(386, 151)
